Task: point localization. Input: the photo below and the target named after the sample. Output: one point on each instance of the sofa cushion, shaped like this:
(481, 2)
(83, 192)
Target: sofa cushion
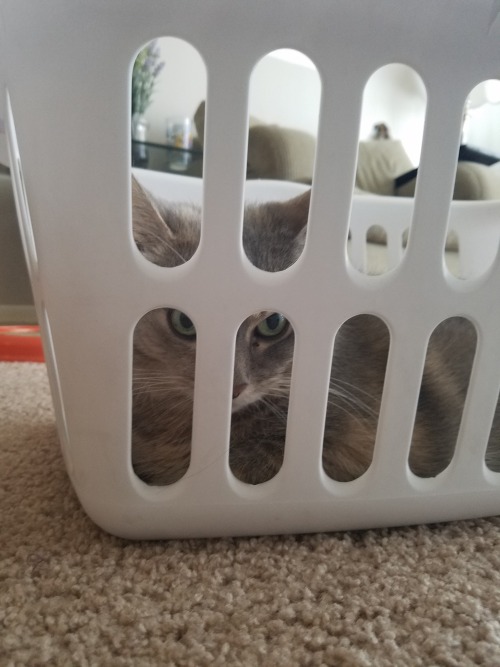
(280, 153)
(473, 181)
(199, 123)
(379, 162)
(274, 152)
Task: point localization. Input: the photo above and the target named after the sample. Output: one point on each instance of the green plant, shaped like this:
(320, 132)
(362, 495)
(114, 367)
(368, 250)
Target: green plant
(147, 67)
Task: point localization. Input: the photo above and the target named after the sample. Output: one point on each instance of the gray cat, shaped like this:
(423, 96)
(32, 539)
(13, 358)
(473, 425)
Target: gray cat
(164, 357)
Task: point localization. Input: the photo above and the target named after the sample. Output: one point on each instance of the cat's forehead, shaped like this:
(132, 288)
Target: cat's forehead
(256, 318)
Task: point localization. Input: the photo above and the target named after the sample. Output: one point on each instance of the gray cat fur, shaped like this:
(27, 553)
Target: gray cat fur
(273, 238)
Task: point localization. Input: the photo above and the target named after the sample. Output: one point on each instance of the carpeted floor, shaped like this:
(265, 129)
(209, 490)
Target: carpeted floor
(72, 595)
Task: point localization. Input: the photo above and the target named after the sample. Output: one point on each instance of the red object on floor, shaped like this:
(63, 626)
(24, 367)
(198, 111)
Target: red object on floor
(20, 343)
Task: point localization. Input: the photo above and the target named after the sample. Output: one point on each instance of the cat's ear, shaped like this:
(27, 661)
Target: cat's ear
(298, 210)
(148, 223)
(294, 212)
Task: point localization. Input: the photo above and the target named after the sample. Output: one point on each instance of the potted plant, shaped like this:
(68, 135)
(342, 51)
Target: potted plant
(147, 67)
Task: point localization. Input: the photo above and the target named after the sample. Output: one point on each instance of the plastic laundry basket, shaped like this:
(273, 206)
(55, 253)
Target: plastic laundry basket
(65, 73)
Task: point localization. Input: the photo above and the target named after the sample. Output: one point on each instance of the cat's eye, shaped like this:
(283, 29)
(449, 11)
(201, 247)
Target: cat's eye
(162, 395)
(181, 323)
(273, 325)
(261, 388)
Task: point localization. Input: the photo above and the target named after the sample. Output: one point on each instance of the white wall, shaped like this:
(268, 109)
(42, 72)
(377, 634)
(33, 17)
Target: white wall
(395, 95)
(286, 93)
(289, 94)
(483, 129)
(180, 87)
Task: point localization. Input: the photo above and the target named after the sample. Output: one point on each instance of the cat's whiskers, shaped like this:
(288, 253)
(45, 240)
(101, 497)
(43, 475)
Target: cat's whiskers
(350, 398)
(150, 391)
(178, 410)
(279, 386)
(281, 414)
(160, 385)
(163, 379)
(355, 408)
(146, 373)
(338, 381)
(359, 419)
(160, 381)
(278, 393)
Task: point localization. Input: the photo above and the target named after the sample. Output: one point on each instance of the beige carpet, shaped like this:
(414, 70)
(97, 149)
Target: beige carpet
(72, 595)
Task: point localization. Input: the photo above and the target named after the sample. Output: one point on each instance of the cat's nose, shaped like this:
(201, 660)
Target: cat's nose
(238, 389)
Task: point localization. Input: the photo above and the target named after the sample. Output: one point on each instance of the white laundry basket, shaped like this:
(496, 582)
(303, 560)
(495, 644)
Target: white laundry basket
(65, 74)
